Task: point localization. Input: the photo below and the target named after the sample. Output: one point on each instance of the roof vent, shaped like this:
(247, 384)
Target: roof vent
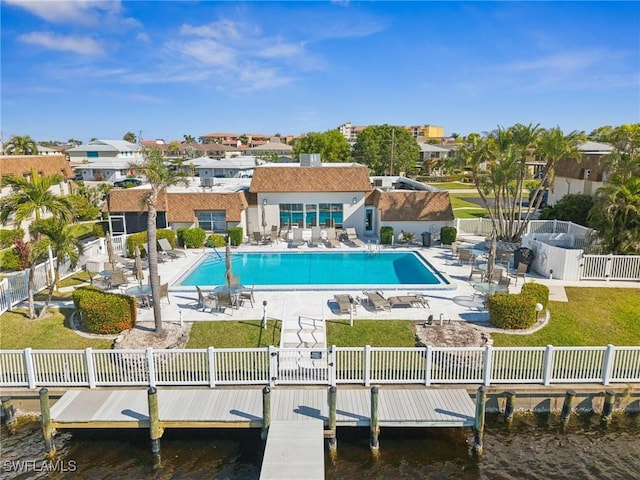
(310, 160)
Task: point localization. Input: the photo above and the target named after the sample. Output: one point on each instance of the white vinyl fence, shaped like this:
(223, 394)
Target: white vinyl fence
(277, 366)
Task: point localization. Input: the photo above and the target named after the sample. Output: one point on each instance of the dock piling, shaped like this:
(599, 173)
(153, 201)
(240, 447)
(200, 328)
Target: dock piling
(155, 431)
(266, 412)
(478, 430)
(47, 425)
(333, 400)
(607, 408)
(567, 407)
(375, 427)
(509, 407)
(9, 413)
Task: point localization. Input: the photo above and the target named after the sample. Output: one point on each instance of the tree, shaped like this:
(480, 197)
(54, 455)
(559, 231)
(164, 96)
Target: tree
(59, 236)
(130, 137)
(189, 139)
(574, 207)
(331, 145)
(386, 150)
(18, 145)
(160, 177)
(616, 215)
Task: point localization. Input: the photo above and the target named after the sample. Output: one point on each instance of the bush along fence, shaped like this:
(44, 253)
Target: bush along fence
(335, 365)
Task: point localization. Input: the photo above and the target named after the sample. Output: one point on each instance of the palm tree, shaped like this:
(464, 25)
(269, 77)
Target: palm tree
(59, 236)
(189, 138)
(18, 145)
(32, 197)
(160, 176)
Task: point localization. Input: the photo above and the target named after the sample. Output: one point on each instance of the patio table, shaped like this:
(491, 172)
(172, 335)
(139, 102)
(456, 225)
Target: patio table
(488, 287)
(141, 292)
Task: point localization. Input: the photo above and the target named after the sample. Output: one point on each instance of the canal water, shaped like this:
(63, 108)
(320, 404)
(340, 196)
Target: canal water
(534, 446)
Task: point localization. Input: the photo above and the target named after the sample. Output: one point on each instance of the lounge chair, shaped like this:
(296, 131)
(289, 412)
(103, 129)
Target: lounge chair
(377, 301)
(332, 240)
(165, 246)
(316, 237)
(352, 238)
(297, 240)
(413, 300)
(345, 303)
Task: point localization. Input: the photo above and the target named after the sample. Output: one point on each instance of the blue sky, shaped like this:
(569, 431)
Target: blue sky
(82, 69)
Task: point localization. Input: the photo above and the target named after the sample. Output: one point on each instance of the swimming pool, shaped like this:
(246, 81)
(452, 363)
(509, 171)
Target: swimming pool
(318, 270)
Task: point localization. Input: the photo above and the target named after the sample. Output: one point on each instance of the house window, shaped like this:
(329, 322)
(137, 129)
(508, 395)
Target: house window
(291, 214)
(92, 154)
(215, 221)
(331, 214)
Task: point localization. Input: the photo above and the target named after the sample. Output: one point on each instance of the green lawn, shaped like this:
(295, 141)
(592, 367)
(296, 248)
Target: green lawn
(376, 333)
(453, 185)
(232, 334)
(18, 332)
(593, 316)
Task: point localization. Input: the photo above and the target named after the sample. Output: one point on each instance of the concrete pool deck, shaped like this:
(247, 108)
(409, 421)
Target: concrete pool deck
(454, 304)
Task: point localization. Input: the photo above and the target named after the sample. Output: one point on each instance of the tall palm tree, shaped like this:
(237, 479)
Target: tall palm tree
(32, 197)
(59, 236)
(21, 145)
(160, 176)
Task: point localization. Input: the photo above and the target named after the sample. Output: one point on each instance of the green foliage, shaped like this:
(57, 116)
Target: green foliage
(537, 291)
(140, 239)
(241, 334)
(442, 179)
(83, 209)
(574, 208)
(191, 237)
(8, 236)
(235, 234)
(448, 235)
(386, 235)
(100, 229)
(21, 145)
(10, 260)
(104, 312)
(215, 240)
(511, 311)
(386, 149)
(331, 145)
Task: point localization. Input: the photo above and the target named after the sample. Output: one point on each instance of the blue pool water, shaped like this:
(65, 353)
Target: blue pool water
(318, 269)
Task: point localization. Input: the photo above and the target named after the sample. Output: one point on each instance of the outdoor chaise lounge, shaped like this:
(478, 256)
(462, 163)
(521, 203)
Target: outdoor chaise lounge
(297, 240)
(377, 301)
(165, 246)
(332, 240)
(345, 303)
(316, 238)
(412, 300)
(352, 238)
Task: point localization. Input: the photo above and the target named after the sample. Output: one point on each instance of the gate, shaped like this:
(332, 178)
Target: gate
(301, 366)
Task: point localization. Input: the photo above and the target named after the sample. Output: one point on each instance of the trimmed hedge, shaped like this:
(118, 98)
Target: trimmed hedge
(448, 235)
(140, 239)
(236, 234)
(8, 236)
(511, 311)
(100, 229)
(9, 260)
(216, 240)
(538, 292)
(191, 237)
(386, 235)
(104, 312)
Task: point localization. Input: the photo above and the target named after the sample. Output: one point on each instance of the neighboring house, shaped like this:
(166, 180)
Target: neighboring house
(187, 151)
(234, 139)
(238, 167)
(107, 170)
(44, 165)
(430, 155)
(105, 160)
(584, 175)
(273, 147)
(42, 150)
(337, 195)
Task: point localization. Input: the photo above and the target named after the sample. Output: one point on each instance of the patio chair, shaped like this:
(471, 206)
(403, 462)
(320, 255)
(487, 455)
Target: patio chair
(224, 301)
(206, 301)
(297, 240)
(352, 238)
(465, 257)
(521, 272)
(345, 303)
(257, 238)
(275, 234)
(476, 270)
(411, 300)
(332, 240)
(454, 250)
(164, 292)
(496, 275)
(247, 295)
(316, 237)
(377, 301)
(505, 282)
(165, 246)
(93, 268)
(118, 279)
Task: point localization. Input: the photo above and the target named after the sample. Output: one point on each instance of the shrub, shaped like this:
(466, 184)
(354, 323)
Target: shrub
(82, 208)
(8, 236)
(511, 311)
(538, 292)
(191, 237)
(448, 235)
(140, 239)
(100, 229)
(386, 235)
(236, 234)
(104, 312)
(10, 260)
(215, 240)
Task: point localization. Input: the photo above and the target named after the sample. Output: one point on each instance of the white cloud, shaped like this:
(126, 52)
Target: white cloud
(80, 45)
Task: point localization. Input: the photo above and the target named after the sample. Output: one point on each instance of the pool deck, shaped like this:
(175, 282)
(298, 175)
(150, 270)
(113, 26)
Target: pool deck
(457, 303)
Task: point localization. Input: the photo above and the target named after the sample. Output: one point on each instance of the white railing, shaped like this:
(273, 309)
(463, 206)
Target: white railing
(278, 366)
(484, 227)
(610, 267)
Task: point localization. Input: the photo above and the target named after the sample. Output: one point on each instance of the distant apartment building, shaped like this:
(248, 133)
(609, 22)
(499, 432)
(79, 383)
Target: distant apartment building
(350, 132)
(235, 139)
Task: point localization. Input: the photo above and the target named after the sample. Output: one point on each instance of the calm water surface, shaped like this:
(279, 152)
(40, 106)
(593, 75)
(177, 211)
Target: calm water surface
(535, 446)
